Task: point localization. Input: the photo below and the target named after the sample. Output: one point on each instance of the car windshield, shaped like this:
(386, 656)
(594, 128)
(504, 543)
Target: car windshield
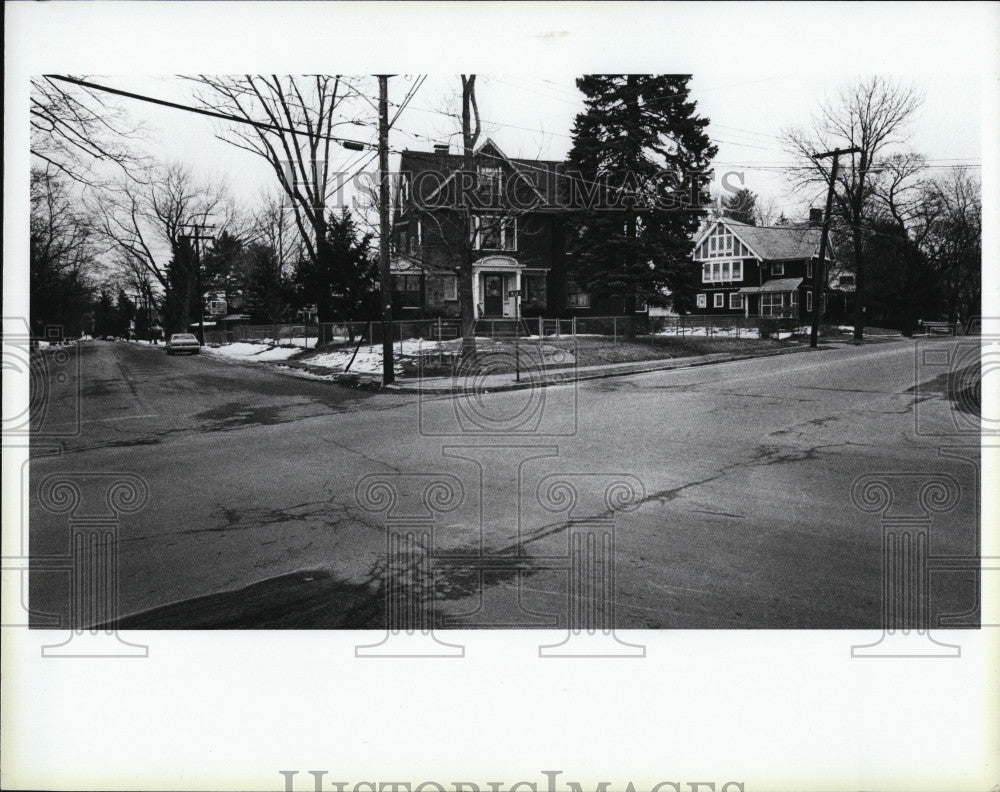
(183, 337)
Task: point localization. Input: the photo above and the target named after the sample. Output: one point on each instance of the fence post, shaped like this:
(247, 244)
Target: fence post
(614, 326)
(541, 327)
(574, 327)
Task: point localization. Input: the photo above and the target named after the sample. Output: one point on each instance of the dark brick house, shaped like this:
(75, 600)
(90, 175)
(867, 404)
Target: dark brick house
(517, 230)
(756, 271)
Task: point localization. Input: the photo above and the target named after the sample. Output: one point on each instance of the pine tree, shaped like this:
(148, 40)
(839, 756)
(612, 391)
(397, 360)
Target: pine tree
(341, 282)
(741, 206)
(641, 155)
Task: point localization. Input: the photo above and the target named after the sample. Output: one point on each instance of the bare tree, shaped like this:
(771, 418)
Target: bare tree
(292, 127)
(74, 128)
(63, 253)
(273, 225)
(953, 243)
(147, 228)
(872, 115)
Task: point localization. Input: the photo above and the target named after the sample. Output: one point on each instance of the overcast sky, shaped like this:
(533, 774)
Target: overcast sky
(532, 116)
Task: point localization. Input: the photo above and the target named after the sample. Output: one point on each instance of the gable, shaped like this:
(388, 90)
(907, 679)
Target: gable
(722, 242)
(728, 238)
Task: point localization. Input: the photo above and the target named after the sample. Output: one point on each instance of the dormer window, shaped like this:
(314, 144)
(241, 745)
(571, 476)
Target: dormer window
(491, 179)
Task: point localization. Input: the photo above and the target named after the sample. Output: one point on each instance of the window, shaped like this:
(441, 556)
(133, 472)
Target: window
(847, 281)
(702, 301)
(809, 300)
(722, 243)
(406, 291)
(719, 271)
(450, 283)
(491, 180)
(576, 297)
(533, 289)
(772, 304)
(404, 190)
(809, 268)
(420, 233)
(492, 232)
(777, 269)
(719, 300)
(736, 301)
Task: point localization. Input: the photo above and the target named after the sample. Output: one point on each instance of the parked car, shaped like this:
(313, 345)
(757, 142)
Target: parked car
(183, 342)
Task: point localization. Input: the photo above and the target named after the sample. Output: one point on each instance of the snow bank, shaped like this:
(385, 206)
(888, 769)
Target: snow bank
(243, 350)
(717, 332)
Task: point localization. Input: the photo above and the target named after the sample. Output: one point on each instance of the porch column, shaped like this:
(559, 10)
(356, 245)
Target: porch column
(475, 290)
(517, 298)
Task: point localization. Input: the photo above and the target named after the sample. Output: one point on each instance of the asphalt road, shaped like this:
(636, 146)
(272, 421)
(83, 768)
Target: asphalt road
(264, 492)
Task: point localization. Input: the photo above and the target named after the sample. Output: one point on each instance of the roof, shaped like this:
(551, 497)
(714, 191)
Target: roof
(773, 243)
(540, 174)
(776, 285)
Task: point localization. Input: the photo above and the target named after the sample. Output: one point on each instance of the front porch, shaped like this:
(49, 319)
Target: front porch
(776, 299)
(496, 284)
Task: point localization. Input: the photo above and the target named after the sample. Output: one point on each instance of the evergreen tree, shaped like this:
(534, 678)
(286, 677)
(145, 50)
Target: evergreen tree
(741, 206)
(340, 283)
(105, 320)
(124, 313)
(640, 155)
(266, 290)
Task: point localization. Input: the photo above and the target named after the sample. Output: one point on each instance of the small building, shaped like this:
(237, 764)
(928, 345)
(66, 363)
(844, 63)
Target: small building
(756, 271)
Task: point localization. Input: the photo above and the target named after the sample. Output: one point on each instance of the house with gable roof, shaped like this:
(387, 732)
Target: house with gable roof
(763, 271)
(517, 232)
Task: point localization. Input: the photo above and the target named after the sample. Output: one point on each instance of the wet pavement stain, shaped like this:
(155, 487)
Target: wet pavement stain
(235, 415)
(962, 387)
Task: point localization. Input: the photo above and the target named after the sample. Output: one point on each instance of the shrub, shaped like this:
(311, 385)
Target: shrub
(768, 327)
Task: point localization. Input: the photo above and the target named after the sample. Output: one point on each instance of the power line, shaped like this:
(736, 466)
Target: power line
(354, 145)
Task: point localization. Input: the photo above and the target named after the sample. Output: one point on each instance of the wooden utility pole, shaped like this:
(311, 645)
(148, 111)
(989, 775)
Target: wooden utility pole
(196, 236)
(385, 277)
(470, 135)
(819, 272)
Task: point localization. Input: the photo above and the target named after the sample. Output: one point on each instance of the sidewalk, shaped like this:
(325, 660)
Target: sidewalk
(536, 378)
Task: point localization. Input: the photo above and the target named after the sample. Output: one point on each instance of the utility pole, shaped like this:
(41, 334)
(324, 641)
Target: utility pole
(819, 272)
(385, 277)
(198, 235)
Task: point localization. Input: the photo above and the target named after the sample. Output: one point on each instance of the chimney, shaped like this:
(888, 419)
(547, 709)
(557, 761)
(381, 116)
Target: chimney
(441, 148)
(815, 218)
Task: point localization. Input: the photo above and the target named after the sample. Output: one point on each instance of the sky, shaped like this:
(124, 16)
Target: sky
(532, 116)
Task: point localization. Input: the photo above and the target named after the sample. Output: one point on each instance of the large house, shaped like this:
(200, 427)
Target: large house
(516, 230)
(757, 271)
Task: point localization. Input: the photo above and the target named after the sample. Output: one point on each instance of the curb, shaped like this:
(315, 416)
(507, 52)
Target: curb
(575, 376)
